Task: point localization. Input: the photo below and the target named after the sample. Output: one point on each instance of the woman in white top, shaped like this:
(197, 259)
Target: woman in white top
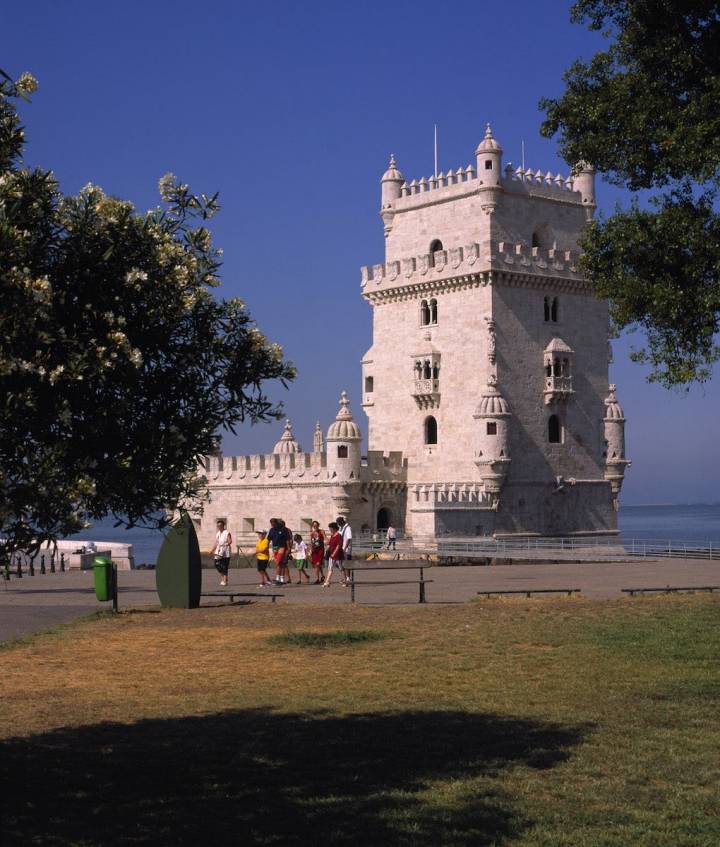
(222, 549)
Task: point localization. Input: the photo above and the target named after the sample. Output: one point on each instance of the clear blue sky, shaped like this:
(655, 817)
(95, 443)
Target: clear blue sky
(290, 110)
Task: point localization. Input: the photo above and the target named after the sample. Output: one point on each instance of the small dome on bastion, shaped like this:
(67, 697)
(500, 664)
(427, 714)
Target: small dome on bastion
(392, 174)
(488, 144)
(344, 427)
(287, 443)
(492, 403)
(613, 410)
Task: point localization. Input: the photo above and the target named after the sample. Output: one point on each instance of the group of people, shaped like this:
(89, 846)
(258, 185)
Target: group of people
(283, 547)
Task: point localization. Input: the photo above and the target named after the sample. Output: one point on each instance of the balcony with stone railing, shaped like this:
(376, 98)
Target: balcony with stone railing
(557, 388)
(426, 393)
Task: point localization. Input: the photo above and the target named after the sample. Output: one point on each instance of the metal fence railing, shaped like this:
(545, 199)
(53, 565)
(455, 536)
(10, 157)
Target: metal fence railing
(605, 547)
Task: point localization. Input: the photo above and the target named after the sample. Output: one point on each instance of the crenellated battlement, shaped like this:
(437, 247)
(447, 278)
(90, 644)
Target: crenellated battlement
(464, 181)
(294, 468)
(471, 259)
(553, 184)
(441, 180)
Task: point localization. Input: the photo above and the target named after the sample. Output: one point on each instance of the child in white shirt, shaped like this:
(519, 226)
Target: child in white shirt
(300, 555)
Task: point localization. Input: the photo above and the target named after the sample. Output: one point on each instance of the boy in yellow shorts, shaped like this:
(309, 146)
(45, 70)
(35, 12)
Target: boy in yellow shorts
(262, 557)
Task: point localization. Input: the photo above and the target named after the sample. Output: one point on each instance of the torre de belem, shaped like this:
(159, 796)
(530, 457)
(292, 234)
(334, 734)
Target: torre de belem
(486, 385)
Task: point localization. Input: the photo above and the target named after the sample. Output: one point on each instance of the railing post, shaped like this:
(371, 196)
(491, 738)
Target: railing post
(31, 566)
(18, 562)
(42, 564)
(52, 562)
(62, 562)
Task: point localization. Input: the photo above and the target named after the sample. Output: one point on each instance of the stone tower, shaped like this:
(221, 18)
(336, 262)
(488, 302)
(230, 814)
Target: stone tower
(489, 365)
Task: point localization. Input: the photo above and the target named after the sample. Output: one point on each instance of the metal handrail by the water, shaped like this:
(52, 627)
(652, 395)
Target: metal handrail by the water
(615, 547)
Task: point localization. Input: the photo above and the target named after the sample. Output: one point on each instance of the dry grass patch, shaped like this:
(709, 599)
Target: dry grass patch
(523, 722)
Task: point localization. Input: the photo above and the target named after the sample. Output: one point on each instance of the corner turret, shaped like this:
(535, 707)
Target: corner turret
(615, 461)
(391, 184)
(493, 439)
(489, 170)
(343, 444)
(584, 182)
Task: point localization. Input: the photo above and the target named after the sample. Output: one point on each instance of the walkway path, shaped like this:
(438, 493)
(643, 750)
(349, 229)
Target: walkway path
(32, 604)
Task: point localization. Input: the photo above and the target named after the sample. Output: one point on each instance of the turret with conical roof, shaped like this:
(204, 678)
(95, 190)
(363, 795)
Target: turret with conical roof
(318, 445)
(391, 185)
(492, 456)
(615, 461)
(343, 444)
(489, 169)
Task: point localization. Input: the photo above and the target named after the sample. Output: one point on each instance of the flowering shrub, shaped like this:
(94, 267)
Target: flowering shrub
(118, 366)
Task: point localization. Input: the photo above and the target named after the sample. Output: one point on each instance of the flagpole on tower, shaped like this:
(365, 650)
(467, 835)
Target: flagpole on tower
(436, 151)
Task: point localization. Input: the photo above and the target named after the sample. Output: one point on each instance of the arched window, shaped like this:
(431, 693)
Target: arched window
(554, 310)
(418, 370)
(430, 430)
(436, 371)
(424, 313)
(554, 430)
(535, 240)
(546, 309)
(434, 247)
(556, 367)
(427, 373)
(342, 451)
(433, 312)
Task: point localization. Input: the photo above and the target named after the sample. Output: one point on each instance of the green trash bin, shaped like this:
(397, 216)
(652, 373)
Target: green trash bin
(102, 574)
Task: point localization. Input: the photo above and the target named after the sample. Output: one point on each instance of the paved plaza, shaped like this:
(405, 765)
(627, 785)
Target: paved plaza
(33, 604)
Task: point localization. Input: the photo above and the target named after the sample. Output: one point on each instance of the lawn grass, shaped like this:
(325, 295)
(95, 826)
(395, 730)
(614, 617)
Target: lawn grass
(564, 722)
(329, 638)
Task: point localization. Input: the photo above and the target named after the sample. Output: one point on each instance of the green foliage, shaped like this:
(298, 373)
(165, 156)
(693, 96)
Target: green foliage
(118, 368)
(330, 638)
(644, 112)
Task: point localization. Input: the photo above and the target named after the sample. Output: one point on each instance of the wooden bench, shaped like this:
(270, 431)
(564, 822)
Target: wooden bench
(421, 583)
(232, 594)
(670, 590)
(528, 592)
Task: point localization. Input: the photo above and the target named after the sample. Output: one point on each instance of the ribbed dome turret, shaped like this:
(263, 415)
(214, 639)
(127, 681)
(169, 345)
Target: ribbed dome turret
(488, 144)
(344, 427)
(287, 443)
(613, 410)
(492, 403)
(392, 174)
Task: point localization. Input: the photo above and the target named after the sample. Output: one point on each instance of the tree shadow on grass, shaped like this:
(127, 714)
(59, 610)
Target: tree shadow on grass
(266, 778)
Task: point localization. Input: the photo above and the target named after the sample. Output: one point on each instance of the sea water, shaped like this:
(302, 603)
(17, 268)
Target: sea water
(698, 525)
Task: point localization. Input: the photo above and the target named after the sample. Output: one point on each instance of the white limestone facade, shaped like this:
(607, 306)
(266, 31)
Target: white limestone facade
(486, 385)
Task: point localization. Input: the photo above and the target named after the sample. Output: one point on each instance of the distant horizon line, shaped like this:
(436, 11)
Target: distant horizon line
(687, 503)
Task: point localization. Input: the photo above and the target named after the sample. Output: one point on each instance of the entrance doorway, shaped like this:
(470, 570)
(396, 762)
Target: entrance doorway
(384, 518)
